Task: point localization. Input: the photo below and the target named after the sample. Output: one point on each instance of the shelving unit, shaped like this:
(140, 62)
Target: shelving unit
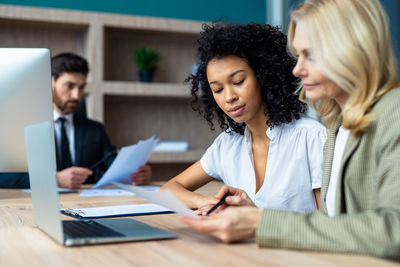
(129, 109)
(177, 50)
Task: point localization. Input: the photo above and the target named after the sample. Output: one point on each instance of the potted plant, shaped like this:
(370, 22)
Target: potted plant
(146, 59)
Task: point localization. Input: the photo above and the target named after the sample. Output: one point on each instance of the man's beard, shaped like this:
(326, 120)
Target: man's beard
(64, 107)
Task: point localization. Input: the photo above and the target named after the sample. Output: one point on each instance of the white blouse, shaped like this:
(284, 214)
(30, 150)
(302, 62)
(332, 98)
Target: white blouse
(293, 169)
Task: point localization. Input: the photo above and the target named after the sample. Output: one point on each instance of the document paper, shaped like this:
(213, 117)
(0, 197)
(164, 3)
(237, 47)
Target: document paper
(128, 160)
(164, 198)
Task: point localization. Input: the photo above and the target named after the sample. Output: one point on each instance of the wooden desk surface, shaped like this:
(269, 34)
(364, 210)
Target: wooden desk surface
(23, 244)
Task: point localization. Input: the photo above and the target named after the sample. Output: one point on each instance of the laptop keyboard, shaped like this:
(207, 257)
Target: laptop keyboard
(88, 228)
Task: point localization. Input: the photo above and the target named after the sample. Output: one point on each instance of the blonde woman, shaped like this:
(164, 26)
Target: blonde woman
(347, 69)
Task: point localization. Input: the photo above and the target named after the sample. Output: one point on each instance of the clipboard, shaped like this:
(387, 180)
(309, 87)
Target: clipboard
(116, 211)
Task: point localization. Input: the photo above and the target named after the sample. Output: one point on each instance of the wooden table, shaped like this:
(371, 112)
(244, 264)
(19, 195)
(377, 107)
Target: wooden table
(23, 244)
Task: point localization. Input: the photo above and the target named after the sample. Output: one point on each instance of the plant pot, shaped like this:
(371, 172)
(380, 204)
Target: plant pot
(146, 75)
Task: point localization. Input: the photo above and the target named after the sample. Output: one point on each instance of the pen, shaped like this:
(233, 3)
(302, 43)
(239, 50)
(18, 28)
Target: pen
(219, 203)
(102, 160)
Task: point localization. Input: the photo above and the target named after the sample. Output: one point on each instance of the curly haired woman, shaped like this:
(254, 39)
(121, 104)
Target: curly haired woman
(245, 84)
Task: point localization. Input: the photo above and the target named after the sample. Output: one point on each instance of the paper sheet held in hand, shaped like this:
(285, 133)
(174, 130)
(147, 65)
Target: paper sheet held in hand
(128, 160)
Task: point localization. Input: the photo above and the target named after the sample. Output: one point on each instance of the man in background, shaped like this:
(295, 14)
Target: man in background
(83, 149)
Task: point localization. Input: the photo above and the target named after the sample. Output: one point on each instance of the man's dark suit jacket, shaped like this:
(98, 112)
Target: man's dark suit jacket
(91, 145)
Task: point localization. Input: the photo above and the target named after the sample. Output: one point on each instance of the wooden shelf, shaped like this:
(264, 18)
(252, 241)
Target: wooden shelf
(146, 89)
(189, 156)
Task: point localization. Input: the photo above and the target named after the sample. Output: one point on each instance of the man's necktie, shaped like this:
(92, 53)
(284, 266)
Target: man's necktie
(65, 153)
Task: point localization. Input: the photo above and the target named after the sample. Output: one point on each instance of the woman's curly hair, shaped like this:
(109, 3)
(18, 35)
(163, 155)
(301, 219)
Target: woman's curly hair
(264, 48)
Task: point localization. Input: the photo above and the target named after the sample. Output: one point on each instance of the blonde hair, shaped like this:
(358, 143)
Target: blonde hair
(350, 42)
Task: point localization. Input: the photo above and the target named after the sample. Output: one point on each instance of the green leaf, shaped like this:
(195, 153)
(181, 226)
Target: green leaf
(146, 58)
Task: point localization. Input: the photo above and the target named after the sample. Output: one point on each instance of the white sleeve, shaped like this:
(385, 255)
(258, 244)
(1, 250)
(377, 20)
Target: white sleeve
(211, 161)
(315, 147)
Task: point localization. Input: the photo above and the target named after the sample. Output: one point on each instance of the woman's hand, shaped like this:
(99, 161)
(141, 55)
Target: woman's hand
(206, 204)
(238, 197)
(202, 211)
(230, 225)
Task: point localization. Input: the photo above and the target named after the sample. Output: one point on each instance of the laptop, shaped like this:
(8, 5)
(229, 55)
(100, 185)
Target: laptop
(39, 139)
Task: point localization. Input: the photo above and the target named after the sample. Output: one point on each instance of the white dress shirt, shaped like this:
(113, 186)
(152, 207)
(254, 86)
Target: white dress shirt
(340, 144)
(294, 165)
(69, 129)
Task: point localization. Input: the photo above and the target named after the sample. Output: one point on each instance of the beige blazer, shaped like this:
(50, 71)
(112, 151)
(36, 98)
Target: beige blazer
(367, 200)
